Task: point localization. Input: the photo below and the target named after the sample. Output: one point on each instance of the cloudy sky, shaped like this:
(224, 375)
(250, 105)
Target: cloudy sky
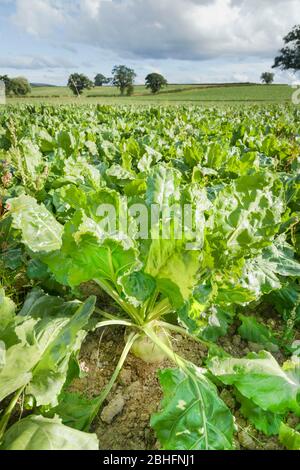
(189, 41)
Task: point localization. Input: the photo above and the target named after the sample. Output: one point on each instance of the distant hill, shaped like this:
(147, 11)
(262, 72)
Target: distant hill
(36, 85)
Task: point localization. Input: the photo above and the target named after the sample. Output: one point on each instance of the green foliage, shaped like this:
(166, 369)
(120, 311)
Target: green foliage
(101, 80)
(20, 86)
(155, 82)
(39, 346)
(193, 417)
(289, 437)
(289, 57)
(123, 78)
(8, 84)
(267, 78)
(78, 83)
(38, 433)
(237, 171)
(253, 331)
(264, 421)
(260, 379)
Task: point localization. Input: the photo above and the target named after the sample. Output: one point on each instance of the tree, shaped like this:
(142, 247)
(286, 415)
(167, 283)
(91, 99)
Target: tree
(123, 77)
(155, 82)
(267, 78)
(289, 57)
(130, 90)
(101, 80)
(79, 82)
(8, 84)
(20, 86)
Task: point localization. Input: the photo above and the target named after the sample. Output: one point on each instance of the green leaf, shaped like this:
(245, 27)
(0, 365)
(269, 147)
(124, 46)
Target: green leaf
(257, 333)
(75, 410)
(181, 270)
(2, 355)
(37, 270)
(286, 300)
(46, 142)
(47, 332)
(40, 305)
(38, 433)
(289, 437)
(246, 216)
(66, 141)
(163, 187)
(206, 321)
(261, 273)
(50, 373)
(259, 378)
(264, 421)
(17, 370)
(138, 285)
(118, 173)
(90, 253)
(40, 230)
(79, 171)
(7, 310)
(192, 417)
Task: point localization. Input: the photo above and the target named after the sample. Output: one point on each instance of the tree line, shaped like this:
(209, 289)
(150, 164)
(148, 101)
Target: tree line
(122, 77)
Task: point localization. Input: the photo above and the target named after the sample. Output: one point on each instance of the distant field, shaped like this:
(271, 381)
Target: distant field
(173, 94)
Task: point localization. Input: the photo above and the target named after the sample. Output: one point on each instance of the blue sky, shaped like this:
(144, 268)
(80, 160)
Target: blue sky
(189, 41)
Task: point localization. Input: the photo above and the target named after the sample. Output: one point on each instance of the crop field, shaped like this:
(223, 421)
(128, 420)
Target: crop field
(173, 94)
(150, 271)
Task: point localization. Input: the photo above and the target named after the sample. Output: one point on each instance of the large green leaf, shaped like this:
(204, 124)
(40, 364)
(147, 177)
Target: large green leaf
(40, 230)
(261, 379)
(38, 433)
(261, 274)
(89, 253)
(192, 417)
(245, 218)
(289, 437)
(50, 373)
(43, 344)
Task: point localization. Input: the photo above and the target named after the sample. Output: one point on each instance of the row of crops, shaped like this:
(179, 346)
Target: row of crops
(187, 220)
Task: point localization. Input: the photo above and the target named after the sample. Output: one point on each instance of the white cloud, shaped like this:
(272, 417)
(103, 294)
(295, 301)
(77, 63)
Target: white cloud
(186, 40)
(176, 29)
(39, 17)
(35, 63)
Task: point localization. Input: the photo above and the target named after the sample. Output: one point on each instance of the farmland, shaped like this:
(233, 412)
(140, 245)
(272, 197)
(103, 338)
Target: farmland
(173, 94)
(149, 271)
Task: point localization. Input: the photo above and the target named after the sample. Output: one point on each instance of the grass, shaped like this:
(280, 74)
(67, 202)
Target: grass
(173, 94)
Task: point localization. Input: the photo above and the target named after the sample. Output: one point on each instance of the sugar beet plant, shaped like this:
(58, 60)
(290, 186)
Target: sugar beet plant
(229, 250)
(182, 240)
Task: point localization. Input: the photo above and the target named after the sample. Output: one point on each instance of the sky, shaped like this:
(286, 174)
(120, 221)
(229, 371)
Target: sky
(188, 41)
